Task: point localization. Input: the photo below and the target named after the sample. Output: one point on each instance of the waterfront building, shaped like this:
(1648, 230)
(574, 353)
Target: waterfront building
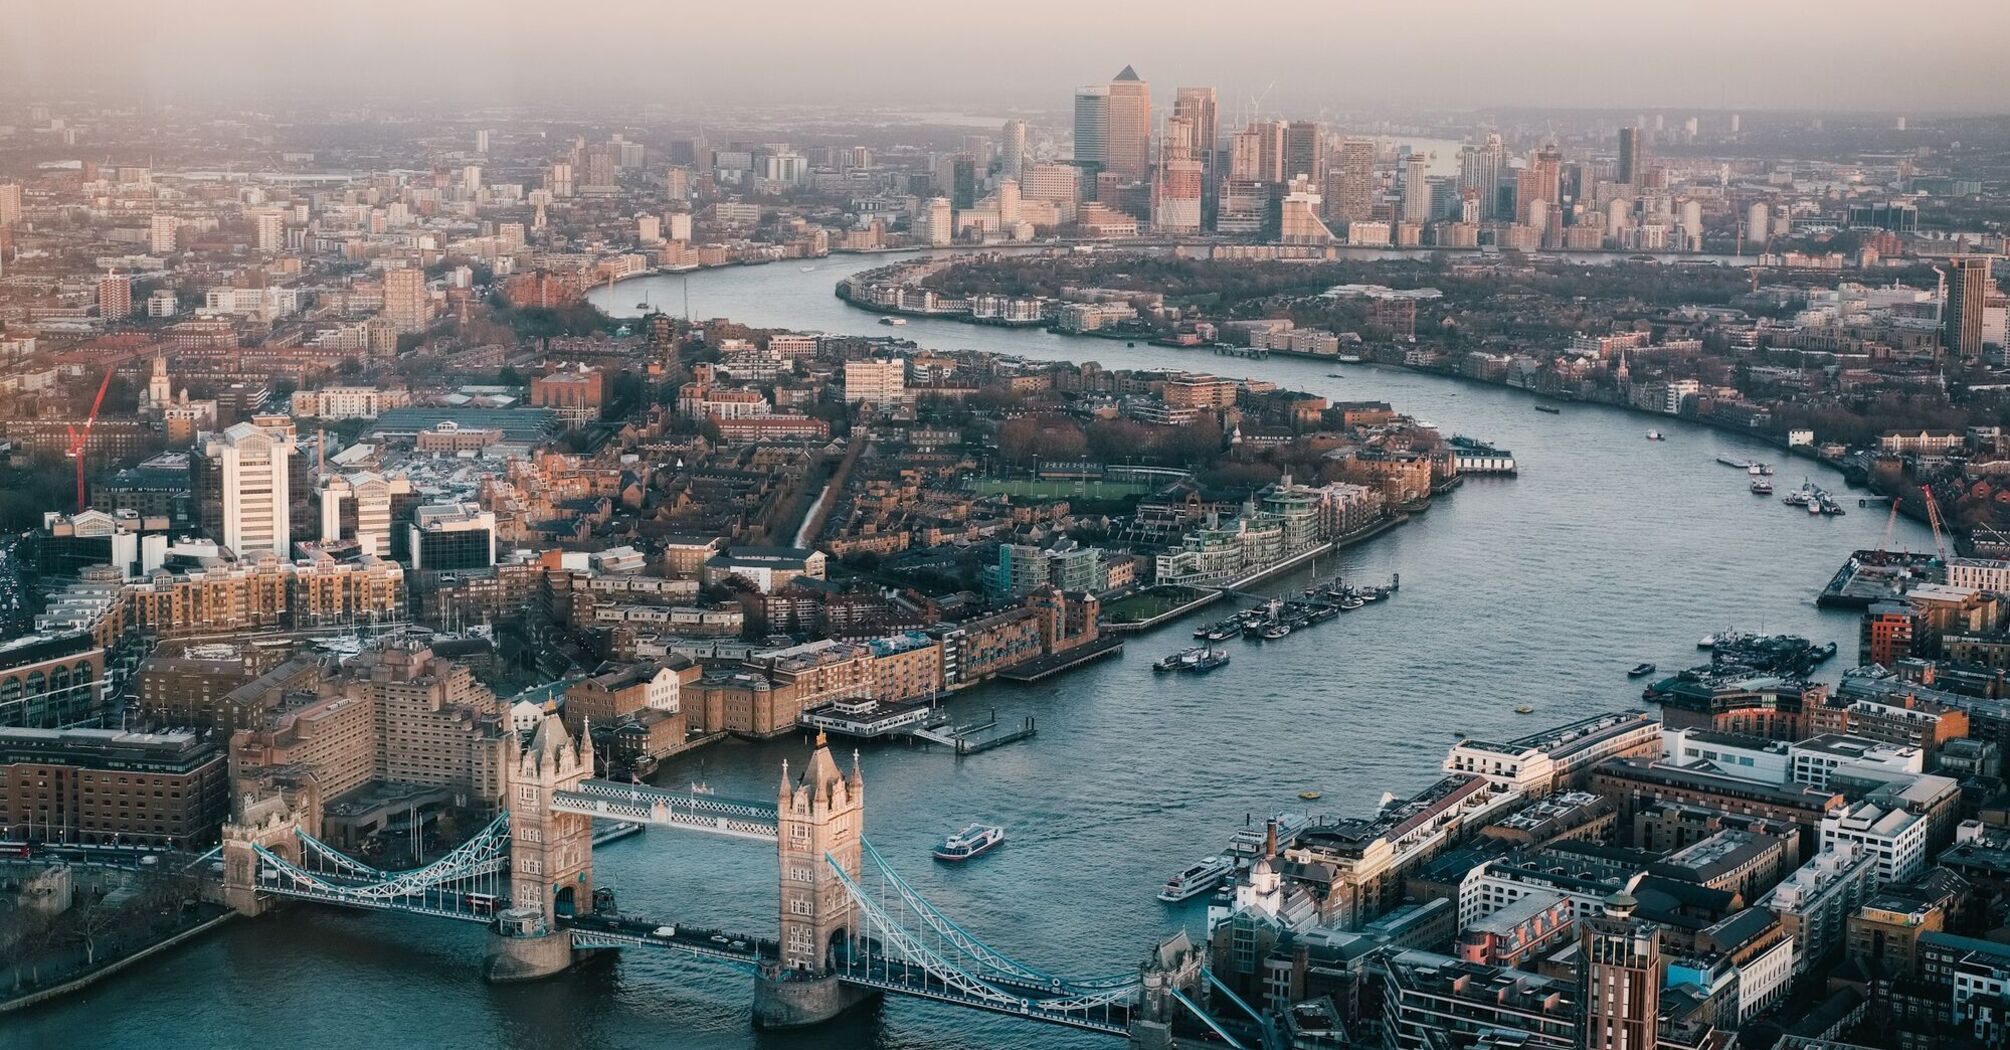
(52, 680)
(106, 786)
(1553, 759)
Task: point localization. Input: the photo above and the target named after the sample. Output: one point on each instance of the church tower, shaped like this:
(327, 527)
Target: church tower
(821, 815)
(158, 394)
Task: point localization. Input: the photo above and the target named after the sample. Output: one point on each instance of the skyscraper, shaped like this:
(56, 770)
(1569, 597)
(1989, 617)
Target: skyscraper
(1547, 163)
(1197, 106)
(1632, 155)
(246, 469)
(1270, 150)
(1480, 169)
(1417, 189)
(1621, 971)
(1012, 154)
(1176, 190)
(1304, 149)
(1092, 129)
(1968, 286)
(10, 203)
(1127, 144)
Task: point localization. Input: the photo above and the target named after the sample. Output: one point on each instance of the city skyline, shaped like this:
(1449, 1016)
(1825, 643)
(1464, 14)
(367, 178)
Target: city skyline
(1438, 53)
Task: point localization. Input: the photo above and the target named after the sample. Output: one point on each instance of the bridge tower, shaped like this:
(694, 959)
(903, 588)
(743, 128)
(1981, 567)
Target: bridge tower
(821, 815)
(551, 858)
(272, 820)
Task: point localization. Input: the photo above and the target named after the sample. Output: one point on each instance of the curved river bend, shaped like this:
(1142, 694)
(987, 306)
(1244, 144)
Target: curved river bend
(1607, 551)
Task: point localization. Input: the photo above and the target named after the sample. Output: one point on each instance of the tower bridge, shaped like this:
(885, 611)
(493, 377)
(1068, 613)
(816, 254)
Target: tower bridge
(850, 927)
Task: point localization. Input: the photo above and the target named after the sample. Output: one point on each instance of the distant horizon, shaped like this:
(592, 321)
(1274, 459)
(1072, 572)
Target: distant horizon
(1423, 55)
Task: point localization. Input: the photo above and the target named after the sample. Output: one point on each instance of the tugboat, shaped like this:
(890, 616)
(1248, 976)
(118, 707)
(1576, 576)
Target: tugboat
(970, 842)
(1208, 661)
(1179, 659)
(1761, 487)
(1640, 671)
(1196, 879)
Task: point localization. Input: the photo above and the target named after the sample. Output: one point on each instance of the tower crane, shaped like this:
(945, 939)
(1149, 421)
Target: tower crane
(1934, 519)
(79, 438)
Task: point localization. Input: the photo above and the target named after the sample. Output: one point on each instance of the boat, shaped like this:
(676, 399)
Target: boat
(1212, 659)
(1196, 879)
(1309, 796)
(1351, 603)
(1551, 409)
(1274, 632)
(643, 305)
(1334, 375)
(1766, 469)
(1655, 435)
(970, 842)
(894, 321)
(1180, 658)
(1741, 464)
(1753, 470)
(1349, 359)
(1640, 671)
(1524, 710)
(808, 269)
(1761, 487)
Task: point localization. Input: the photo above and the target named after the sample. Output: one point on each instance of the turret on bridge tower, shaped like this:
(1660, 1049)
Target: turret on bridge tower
(551, 857)
(820, 819)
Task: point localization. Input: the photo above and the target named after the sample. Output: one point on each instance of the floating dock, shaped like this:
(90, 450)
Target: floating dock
(978, 737)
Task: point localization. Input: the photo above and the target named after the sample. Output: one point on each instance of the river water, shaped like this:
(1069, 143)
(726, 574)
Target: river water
(1608, 550)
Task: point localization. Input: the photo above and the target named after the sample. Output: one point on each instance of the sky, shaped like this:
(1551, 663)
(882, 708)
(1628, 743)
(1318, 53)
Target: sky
(1299, 59)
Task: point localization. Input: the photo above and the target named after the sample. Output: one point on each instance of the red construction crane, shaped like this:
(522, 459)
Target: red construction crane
(78, 438)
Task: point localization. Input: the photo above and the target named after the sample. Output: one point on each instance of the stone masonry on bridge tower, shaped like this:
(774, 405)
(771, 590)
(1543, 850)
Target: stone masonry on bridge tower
(551, 857)
(822, 813)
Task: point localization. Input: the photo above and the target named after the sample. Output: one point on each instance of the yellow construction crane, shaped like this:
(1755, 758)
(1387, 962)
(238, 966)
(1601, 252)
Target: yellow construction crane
(1933, 519)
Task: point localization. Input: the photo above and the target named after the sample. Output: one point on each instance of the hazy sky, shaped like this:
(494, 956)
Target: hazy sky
(1328, 54)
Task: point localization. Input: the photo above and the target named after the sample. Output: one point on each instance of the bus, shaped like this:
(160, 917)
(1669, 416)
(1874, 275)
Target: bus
(13, 849)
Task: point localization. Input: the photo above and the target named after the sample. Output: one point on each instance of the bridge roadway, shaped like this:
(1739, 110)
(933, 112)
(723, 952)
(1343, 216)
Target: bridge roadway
(614, 931)
(733, 818)
(904, 978)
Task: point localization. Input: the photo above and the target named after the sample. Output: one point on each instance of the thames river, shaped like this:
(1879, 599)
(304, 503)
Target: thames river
(1607, 551)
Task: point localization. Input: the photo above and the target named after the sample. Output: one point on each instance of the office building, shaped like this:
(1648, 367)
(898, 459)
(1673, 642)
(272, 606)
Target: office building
(1304, 150)
(1128, 134)
(1632, 155)
(1968, 290)
(1198, 107)
(1894, 838)
(448, 537)
(106, 786)
(1092, 126)
(1416, 189)
(1012, 149)
(51, 680)
(247, 469)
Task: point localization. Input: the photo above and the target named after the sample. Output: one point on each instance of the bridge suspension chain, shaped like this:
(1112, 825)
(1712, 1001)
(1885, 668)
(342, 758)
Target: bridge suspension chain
(988, 958)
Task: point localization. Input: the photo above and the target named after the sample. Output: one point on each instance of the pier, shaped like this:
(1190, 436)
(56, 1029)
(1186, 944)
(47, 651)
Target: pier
(1067, 659)
(978, 737)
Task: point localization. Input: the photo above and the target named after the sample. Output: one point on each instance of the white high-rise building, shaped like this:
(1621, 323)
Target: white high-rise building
(482, 141)
(271, 231)
(251, 462)
(1012, 152)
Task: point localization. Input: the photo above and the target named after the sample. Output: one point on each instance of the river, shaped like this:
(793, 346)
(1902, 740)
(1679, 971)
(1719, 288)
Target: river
(1608, 550)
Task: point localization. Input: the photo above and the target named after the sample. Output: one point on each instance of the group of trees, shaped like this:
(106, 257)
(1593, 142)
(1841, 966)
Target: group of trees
(1053, 438)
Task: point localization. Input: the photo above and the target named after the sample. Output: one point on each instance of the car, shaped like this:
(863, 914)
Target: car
(719, 938)
(663, 931)
(739, 944)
